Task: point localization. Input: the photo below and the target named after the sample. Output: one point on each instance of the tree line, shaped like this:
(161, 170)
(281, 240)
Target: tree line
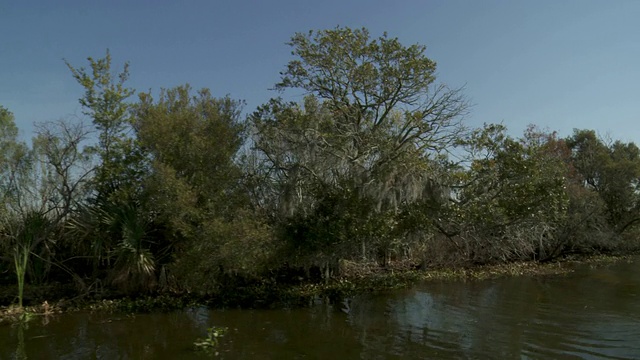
(374, 166)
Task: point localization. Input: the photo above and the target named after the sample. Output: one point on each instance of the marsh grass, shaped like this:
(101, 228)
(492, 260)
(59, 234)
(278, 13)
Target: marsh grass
(21, 259)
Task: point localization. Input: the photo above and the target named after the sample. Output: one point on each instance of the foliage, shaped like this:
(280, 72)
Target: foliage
(510, 200)
(66, 166)
(104, 102)
(612, 171)
(192, 141)
(15, 166)
(212, 340)
(113, 226)
(21, 259)
(22, 236)
(362, 145)
(228, 254)
(193, 192)
(374, 167)
(116, 234)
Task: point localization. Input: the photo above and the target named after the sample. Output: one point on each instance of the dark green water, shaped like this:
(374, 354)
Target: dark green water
(590, 313)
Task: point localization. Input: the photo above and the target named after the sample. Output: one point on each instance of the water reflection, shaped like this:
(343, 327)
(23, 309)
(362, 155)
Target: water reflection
(592, 313)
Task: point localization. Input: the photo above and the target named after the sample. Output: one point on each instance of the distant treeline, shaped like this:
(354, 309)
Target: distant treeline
(374, 166)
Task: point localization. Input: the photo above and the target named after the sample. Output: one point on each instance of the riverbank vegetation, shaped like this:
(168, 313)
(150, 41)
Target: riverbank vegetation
(375, 168)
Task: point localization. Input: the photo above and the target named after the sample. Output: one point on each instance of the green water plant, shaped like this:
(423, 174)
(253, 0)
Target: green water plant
(212, 340)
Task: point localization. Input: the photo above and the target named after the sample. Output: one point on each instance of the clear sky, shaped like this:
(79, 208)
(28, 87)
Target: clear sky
(560, 64)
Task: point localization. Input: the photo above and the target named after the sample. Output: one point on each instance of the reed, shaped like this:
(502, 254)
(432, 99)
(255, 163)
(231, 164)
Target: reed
(21, 259)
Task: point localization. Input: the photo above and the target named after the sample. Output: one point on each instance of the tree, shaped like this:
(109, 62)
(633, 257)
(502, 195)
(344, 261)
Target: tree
(364, 82)
(112, 227)
(67, 168)
(193, 193)
(104, 101)
(373, 124)
(510, 202)
(16, 241)
(613, 172)
(192, 141)
(15, 166)
(52, 189)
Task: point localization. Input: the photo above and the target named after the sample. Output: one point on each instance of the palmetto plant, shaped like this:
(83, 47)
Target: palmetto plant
(116, 236)
(134, 263)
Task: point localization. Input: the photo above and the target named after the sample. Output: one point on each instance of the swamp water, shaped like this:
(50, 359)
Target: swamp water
(591, 313)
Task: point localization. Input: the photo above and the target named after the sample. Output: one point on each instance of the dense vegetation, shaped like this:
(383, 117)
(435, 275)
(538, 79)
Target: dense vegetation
(375, 165)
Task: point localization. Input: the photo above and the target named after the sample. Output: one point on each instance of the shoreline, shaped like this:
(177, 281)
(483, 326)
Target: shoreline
(270, 296)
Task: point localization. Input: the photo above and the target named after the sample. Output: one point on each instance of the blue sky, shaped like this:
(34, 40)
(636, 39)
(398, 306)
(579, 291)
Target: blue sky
(560, 64)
